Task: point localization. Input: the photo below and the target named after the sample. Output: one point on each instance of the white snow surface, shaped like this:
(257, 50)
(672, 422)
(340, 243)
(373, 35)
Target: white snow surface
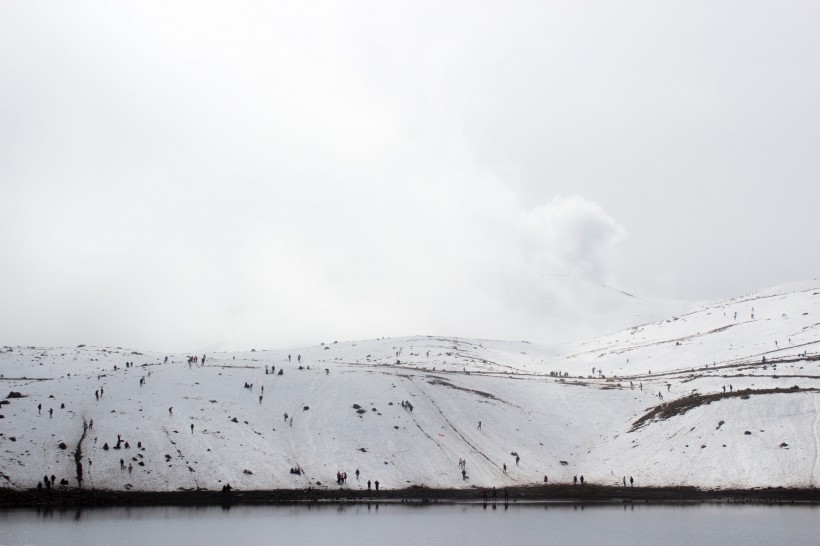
(581, 423)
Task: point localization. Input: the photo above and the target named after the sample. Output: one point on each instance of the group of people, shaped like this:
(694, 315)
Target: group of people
(192, 360)
(122, 466)
(341, 478)
(495, 495)
(120, 443)
(407, 405)
(49, 483)
(462, 464)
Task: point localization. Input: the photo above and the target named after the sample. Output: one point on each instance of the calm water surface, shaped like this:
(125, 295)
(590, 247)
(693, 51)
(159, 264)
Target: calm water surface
(428, 525)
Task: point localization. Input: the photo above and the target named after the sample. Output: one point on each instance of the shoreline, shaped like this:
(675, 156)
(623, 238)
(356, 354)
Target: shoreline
(537, 494)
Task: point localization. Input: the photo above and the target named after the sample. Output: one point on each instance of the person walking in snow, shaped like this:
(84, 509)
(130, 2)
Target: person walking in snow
(192, 428)
(575, 480)
(171, 410)
(582, 479)
(260, 398)
(463, 474)
(368, 485)
(631, 482)
(479, 425)
(40, 407)
(505, 468)
(376, 483)
(517, 458)
(299, 358)
(357, 474)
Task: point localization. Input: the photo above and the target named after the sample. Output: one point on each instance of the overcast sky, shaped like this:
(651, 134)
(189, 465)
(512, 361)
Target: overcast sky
(178, 175)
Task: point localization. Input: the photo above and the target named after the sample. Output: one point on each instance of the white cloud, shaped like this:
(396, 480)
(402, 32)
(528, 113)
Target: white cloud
(573, 236)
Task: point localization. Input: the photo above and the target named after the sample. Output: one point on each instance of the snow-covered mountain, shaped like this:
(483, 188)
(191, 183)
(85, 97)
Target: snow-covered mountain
(646, 402)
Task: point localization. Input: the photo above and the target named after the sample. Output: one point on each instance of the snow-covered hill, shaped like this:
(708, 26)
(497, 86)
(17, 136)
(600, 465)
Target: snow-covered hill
(646, 402)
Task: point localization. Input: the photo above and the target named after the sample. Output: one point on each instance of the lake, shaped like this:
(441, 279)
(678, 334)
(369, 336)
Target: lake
(363, 524)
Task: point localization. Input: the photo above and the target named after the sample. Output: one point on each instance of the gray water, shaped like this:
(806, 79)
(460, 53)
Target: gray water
(428, 525)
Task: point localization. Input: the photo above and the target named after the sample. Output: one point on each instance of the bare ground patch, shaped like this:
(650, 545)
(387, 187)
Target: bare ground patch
(444, 383)
(680, 406)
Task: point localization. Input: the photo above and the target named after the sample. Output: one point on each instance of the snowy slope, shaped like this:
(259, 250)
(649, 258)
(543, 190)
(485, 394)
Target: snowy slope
(586, 420)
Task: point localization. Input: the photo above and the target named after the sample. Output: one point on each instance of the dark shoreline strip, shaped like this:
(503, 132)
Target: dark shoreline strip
(592, 494)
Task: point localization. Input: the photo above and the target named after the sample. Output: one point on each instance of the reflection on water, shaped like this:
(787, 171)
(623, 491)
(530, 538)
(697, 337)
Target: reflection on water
(374, 523)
